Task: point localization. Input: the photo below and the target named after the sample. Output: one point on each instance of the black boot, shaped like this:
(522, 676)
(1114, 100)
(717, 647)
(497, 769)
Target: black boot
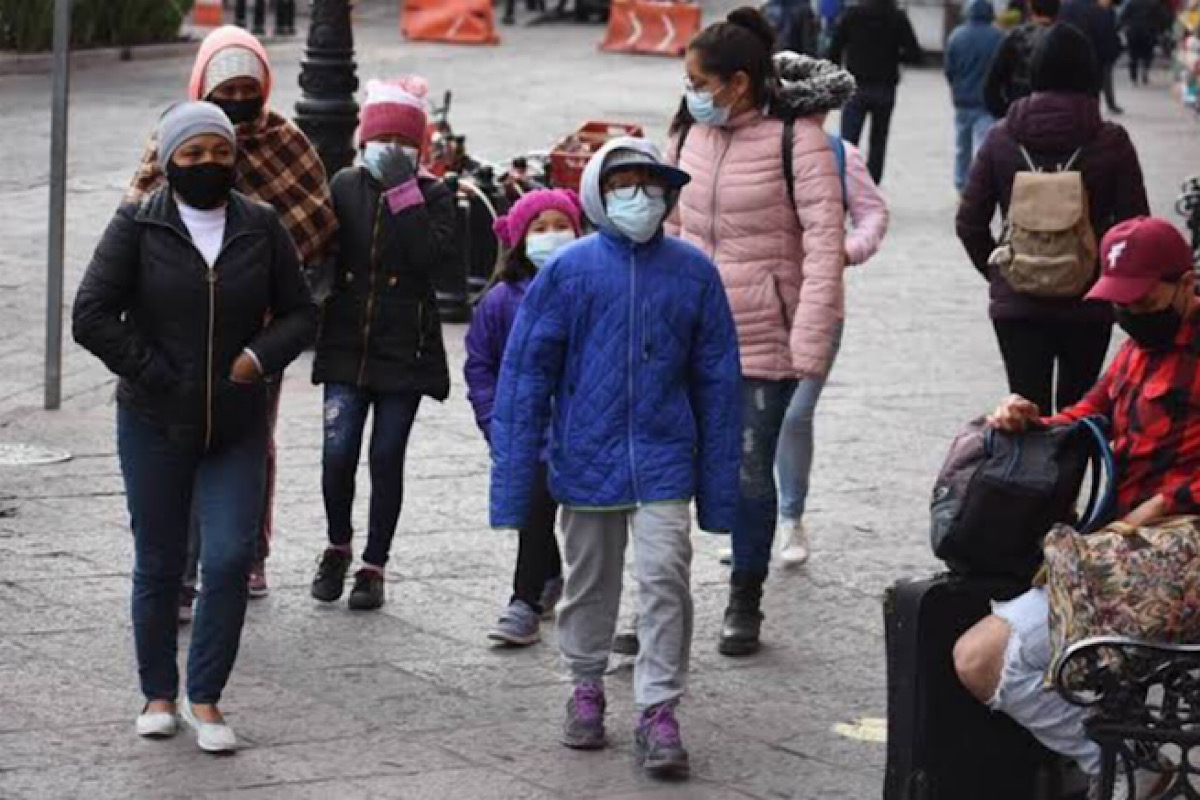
(743, 617)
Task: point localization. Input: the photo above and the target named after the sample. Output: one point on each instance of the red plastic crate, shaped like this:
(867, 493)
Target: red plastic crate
(571, 155)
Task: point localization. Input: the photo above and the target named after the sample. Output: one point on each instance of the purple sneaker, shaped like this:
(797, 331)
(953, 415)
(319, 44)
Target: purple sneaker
(658, 745)
(584, 728)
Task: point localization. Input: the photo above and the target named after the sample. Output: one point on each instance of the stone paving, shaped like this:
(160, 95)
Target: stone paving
(412, 702)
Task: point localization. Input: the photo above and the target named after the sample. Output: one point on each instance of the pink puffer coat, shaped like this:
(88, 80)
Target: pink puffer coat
(782, 268)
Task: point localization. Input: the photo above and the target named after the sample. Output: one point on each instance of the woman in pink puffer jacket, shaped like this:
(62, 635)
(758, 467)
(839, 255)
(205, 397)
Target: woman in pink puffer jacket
(781, 256)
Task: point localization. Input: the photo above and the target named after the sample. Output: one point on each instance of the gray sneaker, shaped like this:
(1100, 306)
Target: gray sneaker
(658, 744)
(584, 728)
(518, 626)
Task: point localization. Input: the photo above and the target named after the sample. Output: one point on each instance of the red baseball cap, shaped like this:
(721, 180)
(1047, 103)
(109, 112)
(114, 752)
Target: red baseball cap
(1136, 255)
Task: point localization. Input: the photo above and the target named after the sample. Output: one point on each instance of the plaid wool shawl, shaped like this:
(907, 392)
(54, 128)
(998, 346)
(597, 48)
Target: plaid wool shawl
(276, 165)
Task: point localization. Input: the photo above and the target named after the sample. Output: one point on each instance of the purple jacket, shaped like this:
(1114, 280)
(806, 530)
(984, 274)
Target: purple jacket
(486, 339)
(1052, 126)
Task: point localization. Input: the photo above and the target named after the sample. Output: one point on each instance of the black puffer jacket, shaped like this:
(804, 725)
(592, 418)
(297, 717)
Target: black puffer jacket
(155, 313)
(380, 328)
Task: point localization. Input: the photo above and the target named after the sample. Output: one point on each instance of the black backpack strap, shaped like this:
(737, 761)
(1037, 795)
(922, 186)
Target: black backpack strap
(789, 168)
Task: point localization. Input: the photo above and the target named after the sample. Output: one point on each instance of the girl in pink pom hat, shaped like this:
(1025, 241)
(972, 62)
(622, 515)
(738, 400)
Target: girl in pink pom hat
(537, 227)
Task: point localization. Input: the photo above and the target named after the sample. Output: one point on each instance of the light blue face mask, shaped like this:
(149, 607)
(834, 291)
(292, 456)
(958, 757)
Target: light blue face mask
(702, 105)
(639, 217)
(372, 156)
(540, 247)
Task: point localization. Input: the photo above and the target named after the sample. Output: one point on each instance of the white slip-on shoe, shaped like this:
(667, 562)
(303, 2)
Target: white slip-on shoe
(725, 555)
(157, 724)
(795, 550)
(213, 737)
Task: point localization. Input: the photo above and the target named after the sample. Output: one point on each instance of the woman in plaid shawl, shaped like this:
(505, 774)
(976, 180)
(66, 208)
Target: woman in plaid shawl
(276, 165)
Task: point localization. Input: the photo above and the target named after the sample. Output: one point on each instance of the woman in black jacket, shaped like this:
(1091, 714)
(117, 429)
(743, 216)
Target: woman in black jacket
(175, 302)
(380, 349)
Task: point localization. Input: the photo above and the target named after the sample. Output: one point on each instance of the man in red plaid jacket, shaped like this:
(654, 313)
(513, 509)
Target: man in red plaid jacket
(1150, 396)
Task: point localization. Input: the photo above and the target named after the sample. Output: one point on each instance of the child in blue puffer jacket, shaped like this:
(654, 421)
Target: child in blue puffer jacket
(626, 340)
(537, 226)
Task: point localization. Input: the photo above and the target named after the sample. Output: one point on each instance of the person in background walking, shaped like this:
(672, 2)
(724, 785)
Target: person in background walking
(380, 348)
(539, 225)
(276, 165)
(814, 88)
(625, 347)
(1143, 23)
(873, 39)
(1098, 22)
(830, 11)
(969, 54)
(285, 16)
(1053, 348)
(780, 249)
(192, 400)
(796, 25)
(1008, 77)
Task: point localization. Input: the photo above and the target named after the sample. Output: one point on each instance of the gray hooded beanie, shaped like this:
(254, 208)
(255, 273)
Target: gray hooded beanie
(591, 188)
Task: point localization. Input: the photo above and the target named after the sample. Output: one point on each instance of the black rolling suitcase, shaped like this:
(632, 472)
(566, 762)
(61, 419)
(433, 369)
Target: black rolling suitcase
(943, 744)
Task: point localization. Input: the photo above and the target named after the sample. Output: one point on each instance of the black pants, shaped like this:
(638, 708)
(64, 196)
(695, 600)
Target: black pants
(538, 559)
(1141, 56)
(1110, 89)
(878, 102)
(285, 16)
(1033, 350)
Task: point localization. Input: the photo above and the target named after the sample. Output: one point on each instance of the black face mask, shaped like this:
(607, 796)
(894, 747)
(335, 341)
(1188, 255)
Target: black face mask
(1154, 331)
(241, 111)
(203, 186)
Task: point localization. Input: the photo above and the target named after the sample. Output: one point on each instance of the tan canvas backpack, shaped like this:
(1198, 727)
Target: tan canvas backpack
(1049, 246)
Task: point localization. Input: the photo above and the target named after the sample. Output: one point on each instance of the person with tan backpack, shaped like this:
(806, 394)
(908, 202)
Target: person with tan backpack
(1061, 178)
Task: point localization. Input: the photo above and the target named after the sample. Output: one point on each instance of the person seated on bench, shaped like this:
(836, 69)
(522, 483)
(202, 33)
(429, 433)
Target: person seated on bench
(1150, 396)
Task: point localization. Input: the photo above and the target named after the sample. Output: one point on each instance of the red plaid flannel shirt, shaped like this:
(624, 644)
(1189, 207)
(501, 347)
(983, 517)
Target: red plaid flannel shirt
(1152, 403)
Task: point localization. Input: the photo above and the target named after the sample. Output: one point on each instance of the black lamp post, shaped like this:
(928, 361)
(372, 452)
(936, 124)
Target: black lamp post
(328, 112)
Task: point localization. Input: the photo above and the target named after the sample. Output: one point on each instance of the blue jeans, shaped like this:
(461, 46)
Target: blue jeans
(764, 404)
(346, 410)
(161, 482)
(795, 457)
(971, 126)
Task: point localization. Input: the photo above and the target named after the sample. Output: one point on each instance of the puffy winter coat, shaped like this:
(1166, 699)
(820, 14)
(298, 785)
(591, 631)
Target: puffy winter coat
(866, 207)
(158, 316)
(380, 328)
(634, 348)
(781, 265)
(486, 340)
(1051, 126)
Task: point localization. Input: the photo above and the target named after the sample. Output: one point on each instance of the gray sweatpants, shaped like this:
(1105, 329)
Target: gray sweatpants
(594, 551)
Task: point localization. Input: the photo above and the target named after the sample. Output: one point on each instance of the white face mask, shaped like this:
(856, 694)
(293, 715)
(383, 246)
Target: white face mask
(639, 217)
(540, 247)
(373, 154)
(414, 155)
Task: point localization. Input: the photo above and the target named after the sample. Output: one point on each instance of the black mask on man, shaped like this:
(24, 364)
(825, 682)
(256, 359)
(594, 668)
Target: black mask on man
(202, 186)
(1154, 331)
(241, 111)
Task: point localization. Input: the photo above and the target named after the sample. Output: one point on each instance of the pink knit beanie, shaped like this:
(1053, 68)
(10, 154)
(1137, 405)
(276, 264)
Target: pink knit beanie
(511, 228)
(395, 108)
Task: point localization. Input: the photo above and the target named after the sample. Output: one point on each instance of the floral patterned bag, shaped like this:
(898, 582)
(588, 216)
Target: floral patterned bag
(1143, 583)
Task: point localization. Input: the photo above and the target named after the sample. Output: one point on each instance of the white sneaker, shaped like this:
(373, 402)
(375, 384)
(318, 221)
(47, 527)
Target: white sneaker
(213, 737)
(157, 724)
(725, 555)
(794, 551)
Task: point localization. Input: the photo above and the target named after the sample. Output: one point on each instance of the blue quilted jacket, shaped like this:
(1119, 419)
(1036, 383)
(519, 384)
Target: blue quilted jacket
(629, 353)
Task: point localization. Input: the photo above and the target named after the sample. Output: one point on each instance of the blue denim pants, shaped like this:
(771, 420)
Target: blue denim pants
(346, 409)
(971, 126)
(764, 404)
(794, 460)
(163, 483)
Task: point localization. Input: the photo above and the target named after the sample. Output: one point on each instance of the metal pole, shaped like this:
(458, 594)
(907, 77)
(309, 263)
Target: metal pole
(58, 203)
(327, 111)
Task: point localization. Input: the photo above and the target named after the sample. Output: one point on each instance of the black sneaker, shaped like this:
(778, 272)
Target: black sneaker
(331, 575)
(367, 594)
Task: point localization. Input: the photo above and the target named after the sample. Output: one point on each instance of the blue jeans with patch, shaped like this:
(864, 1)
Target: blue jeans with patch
(764, 404)
(161, 483)
(971, 126)
(346, 409)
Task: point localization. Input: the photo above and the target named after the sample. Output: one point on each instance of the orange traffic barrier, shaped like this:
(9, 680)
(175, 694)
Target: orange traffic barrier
(207, 14)
(651, 27)
(450, 21)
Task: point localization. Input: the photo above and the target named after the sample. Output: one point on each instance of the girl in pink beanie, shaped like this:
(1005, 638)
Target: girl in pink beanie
(537, 227)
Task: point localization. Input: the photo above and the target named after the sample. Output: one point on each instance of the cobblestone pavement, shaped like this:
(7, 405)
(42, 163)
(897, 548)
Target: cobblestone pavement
(411, 702)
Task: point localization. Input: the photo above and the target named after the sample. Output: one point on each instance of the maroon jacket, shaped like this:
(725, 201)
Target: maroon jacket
(1051, 126)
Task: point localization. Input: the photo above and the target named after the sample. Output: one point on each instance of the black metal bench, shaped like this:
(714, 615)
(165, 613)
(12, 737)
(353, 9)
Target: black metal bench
(1145, 703)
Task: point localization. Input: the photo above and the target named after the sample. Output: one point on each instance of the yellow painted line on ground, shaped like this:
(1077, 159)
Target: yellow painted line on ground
(866, 729)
